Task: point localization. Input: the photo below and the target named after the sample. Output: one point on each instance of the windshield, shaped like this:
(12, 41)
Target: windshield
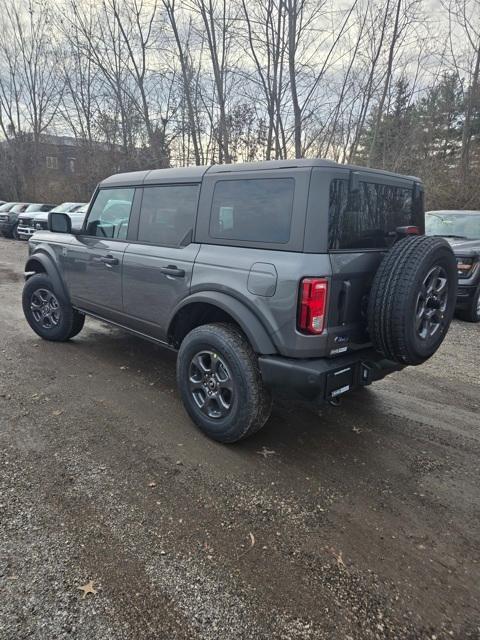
(80, 206)
(82, 209)
(7, 206)
(453, 223)
(18, 208)
(67, 207)
(62, 208)
(32, 208)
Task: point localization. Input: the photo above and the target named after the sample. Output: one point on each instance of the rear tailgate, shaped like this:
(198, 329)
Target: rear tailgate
(352, 276)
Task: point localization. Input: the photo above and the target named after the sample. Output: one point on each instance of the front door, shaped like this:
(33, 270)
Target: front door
(93, 261)
(157, 269)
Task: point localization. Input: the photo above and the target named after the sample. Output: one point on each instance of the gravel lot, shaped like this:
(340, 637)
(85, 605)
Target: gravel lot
(352, 523)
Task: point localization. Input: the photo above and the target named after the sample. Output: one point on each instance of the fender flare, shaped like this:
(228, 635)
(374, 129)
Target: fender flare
(243, 316)
(46, 257)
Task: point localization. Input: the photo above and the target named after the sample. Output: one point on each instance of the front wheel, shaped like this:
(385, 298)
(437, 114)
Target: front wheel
(14, 233)
(47, 313)
(220, 383)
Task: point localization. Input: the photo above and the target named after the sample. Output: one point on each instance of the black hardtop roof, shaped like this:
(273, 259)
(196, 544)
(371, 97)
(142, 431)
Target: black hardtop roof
(195, 173)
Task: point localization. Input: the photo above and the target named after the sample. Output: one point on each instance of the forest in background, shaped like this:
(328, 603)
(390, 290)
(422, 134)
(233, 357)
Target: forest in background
(391, 84)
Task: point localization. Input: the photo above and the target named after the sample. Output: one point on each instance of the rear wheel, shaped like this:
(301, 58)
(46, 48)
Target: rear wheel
(472, 314)
(48, 314)
(220, 383)
(412, 299)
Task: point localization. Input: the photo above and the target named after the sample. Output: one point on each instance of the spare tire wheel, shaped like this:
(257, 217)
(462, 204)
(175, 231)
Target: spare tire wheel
(412, 300)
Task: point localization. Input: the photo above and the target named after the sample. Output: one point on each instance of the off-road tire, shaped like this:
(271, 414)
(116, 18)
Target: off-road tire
(396, 293)
(14, 233)
(251, 403)
(70, 322)
(472, 314)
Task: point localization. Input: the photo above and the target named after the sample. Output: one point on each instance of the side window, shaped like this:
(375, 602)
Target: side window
(337, 221)
(253, 210)
(168, 214)
(110, 214)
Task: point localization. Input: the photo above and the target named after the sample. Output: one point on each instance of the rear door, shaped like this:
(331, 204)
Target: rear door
(365, 211)
(158, 266)
(93, 260)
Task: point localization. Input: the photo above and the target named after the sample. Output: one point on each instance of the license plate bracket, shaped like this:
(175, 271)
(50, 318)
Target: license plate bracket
(339, 382)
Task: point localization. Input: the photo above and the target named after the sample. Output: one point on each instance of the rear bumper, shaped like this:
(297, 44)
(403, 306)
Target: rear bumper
(465, 296)
(324, 378)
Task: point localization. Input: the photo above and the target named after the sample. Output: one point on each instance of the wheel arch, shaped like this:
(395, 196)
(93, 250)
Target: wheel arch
(42, 261)
(214, 306)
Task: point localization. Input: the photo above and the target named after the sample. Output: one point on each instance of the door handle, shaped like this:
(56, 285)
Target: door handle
(108, 261)
(173, 271)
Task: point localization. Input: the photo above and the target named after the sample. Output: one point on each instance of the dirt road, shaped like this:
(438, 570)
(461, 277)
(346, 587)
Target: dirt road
(352, 523)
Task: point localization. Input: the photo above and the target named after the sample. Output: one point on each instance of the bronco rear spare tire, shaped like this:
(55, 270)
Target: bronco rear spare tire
(412, 300)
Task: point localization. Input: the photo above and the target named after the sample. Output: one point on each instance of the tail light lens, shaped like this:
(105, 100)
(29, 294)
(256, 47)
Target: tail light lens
(313, 305)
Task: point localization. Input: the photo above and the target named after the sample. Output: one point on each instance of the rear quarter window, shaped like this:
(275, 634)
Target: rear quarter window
(368, 218)
(253, 210)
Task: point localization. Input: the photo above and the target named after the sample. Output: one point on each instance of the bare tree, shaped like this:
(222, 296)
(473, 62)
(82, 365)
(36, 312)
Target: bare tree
(465, 15)
(267, 45)
(135, 23)
(217, 18)
(30, 89)
(186, 67)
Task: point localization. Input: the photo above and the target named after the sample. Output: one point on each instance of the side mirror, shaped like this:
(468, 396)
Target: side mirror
(59, 223)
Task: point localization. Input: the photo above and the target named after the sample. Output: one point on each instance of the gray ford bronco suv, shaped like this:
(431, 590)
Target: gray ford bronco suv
(304, 275)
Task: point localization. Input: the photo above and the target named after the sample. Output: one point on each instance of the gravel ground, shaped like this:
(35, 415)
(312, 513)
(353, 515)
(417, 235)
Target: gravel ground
(352, 523)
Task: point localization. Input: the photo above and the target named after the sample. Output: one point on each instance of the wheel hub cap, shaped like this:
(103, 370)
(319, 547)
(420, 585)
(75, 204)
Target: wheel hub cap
(432, 303)
(211, 384)
(45, 308)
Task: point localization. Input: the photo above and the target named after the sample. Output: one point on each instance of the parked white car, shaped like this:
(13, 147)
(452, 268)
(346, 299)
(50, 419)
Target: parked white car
(28, 224)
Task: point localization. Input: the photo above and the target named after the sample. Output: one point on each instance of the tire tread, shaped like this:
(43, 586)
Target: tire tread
(258, 405)
(393, 282)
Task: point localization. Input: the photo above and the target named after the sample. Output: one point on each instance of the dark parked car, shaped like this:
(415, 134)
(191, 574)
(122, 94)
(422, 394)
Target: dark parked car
(304, 275)
(41, 219)
(26, 221)
(9, 213)
(462, 230)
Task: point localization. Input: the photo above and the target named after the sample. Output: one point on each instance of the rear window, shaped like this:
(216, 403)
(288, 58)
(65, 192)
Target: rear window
(368, 218)
(253, 210)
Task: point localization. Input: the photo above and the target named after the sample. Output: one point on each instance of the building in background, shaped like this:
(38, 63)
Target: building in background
(61, 168)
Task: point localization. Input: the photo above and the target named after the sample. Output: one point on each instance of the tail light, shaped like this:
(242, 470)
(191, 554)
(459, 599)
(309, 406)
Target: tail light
(410, 230)
(313, 305)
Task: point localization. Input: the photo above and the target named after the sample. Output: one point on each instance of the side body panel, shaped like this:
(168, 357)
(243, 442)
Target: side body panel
(150, 293)
(94, 285)
(263, 276)
(227, 270)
